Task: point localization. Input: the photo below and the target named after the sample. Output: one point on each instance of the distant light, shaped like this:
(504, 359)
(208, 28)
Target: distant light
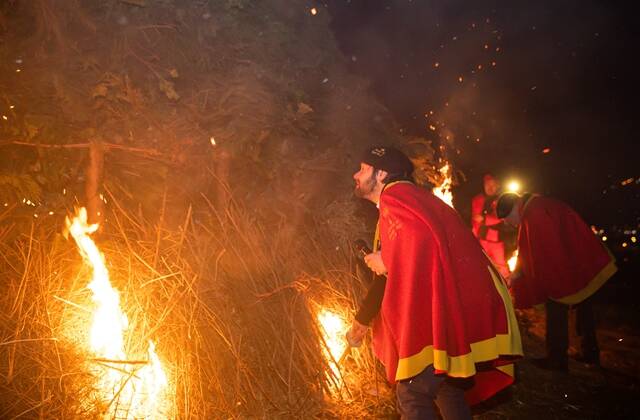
(634, 239)
(436, 64)
(604, 239)
(623, 183)
(546, 150)
(460, 79)
(314, 11)
(513, 186)
(624, 244)
(50, 213)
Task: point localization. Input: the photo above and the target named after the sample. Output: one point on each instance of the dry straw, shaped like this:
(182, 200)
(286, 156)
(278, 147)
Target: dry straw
(233, 319)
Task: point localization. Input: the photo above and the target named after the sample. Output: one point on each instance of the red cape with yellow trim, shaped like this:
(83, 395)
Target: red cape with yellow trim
(443, 303)
(559, 256)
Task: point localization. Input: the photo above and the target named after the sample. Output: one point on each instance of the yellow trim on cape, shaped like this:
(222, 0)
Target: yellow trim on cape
(463, 366)
(595, 284)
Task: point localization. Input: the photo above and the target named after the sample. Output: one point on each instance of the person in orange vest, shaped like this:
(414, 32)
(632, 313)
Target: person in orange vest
(561, 263)
(486, 226)
(443, 326)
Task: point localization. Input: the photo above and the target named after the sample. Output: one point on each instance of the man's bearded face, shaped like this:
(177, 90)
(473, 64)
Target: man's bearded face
(365, 181)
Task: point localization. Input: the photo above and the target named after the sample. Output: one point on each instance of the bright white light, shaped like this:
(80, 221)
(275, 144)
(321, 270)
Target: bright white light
(513, 186)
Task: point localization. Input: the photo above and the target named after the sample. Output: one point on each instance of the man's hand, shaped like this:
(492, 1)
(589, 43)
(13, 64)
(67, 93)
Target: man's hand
(374, 262)
(356, 333)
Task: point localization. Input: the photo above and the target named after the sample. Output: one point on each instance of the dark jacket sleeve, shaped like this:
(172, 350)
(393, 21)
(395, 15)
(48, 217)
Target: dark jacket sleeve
(372, 302)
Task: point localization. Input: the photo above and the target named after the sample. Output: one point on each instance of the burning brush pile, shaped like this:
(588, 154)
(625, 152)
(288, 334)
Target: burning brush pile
(133, 320)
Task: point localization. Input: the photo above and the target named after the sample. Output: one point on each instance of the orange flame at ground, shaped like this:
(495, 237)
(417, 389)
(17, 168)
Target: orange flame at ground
(132, 389)
(443, 191)
(513, 261)
(334, 329)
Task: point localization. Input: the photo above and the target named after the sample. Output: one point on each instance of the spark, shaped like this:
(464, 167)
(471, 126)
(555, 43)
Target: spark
(546, 150)
(212, 140)
(314, 11)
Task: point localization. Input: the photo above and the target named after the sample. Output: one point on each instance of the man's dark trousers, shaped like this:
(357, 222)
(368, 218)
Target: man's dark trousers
(418, 396)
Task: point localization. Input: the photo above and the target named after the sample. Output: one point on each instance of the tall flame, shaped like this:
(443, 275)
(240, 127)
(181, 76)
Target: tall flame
(443, 191)
(133, 389)
(333, 331)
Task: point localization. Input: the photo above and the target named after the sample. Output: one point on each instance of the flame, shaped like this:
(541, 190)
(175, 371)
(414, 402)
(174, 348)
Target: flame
(132, 389)
(513, 261)
(334, 329)
(443, 191)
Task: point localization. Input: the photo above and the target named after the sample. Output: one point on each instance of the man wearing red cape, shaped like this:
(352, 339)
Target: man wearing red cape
(486, 226)
(560, 263)
(445, 331)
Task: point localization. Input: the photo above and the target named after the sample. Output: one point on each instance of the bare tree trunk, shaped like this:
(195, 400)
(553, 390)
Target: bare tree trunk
(94, 182)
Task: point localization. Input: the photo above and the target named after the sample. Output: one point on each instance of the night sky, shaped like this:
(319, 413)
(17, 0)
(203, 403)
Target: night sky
(506, 80)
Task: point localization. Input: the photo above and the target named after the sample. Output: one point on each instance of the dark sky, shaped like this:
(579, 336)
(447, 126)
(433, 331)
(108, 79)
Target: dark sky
(505, 80)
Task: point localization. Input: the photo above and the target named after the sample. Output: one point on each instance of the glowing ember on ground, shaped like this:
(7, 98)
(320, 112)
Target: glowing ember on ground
(131, 388)
(334, 329)
(443, 191)
(513, 261)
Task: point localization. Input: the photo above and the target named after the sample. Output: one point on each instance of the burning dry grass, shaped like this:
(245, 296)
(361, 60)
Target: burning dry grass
(234, 321)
